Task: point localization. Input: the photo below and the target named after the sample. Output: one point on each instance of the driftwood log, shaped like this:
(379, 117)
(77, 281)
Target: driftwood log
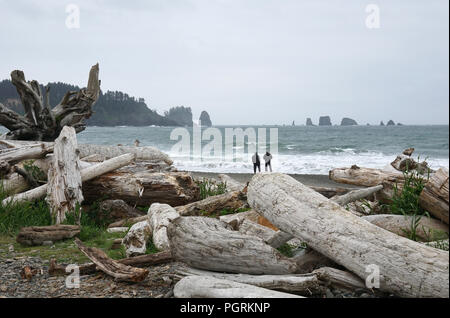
(210, 287)
(135, 241)
(232, 185)
(434, 197)
(427, 229)
(137, 261)
(9, 157)
(113, 268)
(407, 268)
(302, 284)
(338, 278)
(86, 175)
(159, 217)
(40, 122)
(116, 210)
(207, 243)
(367, 177)
(64, 178)
(356, 195)
(214, 204)
(143, 188)
(36, 235)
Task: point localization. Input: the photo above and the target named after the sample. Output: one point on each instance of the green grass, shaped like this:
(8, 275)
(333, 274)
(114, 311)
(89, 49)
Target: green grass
(210, 188)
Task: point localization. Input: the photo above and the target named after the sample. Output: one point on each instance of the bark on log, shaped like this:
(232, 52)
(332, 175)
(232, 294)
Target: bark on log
(302, 284)
(367, 177)
(64, 178)
(338, 278)
(144, 188)
(214, 204)
(159, 217)
(428, 229)
(208, 243)
(42, 123)
(210, 287)
(434, 197)
(407, 268)
(111, 267)
(355, 195)
(137, 261)
(36, 235)
(86, 175)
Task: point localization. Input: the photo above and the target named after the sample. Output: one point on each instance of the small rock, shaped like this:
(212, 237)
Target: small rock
(11, 248)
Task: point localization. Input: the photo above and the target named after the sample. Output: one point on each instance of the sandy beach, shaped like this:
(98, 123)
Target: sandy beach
(316, 180)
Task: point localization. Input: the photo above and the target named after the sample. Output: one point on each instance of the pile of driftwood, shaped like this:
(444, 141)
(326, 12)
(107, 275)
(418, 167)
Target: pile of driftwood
(235, 255)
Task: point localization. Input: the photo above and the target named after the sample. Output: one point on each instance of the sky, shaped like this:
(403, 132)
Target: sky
(244, 61)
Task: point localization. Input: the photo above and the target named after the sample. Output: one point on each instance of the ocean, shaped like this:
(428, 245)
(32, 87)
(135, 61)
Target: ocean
(301, 149)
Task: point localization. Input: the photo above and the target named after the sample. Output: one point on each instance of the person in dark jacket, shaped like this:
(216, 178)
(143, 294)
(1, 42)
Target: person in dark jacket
(256, 162)
(267, 158)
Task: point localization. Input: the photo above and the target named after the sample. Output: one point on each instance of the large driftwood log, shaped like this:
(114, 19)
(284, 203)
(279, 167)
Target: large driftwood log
(210, 287)
(159, 217)
(302, 284)
(86, 175)
(407, 268)
(214, 204)
(356, 195)
(367, 177)
(64, 178)
(36, 235)
(207, 243)
(9, 157)
(144, 188)
(42, 123)
(137, 261)
(434, 197)
(111, 267)
(427, 229)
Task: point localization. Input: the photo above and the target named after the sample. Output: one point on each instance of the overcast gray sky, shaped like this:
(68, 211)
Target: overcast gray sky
(244, 61)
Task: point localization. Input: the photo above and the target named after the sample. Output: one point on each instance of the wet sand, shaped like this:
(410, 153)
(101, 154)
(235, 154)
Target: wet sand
(316, 180)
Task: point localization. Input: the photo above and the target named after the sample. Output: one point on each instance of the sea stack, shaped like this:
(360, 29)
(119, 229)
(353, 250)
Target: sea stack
(348, 122)
(381, 123)
(309, 122)
(325, 121)
(205, 119)
(390, 123)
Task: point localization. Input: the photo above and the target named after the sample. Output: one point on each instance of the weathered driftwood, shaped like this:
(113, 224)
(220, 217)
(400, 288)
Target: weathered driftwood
(36, 235)
(116, 210)
(308, 260)
(210, 287)
(232, 185)
(356, 195)
(144, 188)
(111, 267)
(94, 158)
(207, 243)
(254, 229)
(128, 221)
(122, 229)
(9, 157)
(408, 152)
(135, 241)
(407, 268)
(214, 204)
(302, 284)
(427, 228)
(40, 122)
(159, 217)
(64, 178)
(367, 177)
(330, 192)
(434, 197)
(338, 278)
(235, 219)
(86, 174)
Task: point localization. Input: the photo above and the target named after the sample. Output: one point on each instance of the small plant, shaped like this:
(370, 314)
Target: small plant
(34, 171)
(210, 188)
(286, 250)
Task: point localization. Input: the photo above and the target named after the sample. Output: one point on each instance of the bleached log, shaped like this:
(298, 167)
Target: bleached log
(214, 204)
(64, 178)
(302, 284)
(407, 268)
(86, 174)
(356, 195)
(36, 235)
(144, 188)
(94, 158)
(367, 177)
(142, 153)
(434, 197)
(427, 228)
(338, 278)
(113, 268)
(135, 241)
(12, 156)
(254, 229)
(207, 243)
(232, 185)
(121, 229)
(210, 287)
(159, 217)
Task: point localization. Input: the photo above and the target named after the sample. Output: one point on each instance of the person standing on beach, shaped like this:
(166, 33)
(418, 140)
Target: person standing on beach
(256, 162)
(267, 158)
